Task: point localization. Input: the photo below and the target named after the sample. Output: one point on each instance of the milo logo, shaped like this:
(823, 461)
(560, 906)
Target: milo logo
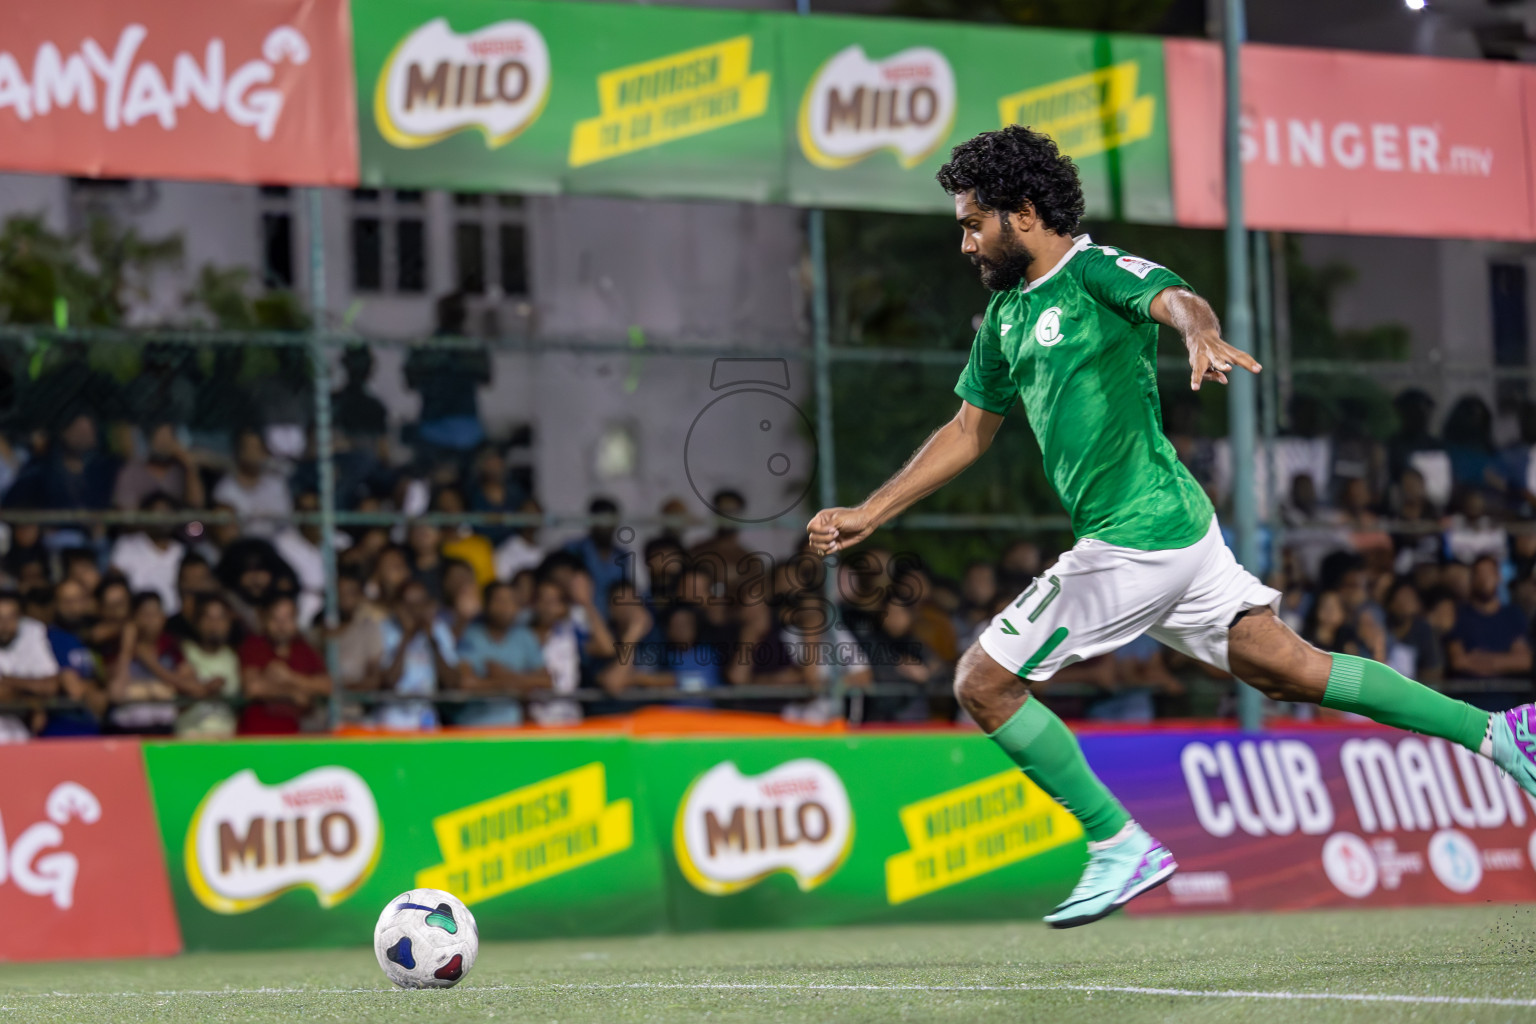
(733, 830)
(856, 106)
(249, 842)
(438, 82)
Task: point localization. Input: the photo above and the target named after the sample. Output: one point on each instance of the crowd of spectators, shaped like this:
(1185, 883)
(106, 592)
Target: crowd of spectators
(1411, 550)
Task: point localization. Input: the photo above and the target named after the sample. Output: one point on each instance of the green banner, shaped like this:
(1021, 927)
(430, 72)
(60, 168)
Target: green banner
(277, 844)
(542, 97)
(532, 96)
(850, 830)
(874, 105)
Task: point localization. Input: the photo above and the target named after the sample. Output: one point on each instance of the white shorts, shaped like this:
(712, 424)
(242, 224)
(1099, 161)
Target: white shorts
(1098, 597)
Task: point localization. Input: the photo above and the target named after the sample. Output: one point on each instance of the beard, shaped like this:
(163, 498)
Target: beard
(1004, 272)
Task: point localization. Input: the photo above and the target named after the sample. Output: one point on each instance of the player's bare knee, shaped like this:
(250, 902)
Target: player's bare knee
(982, 685)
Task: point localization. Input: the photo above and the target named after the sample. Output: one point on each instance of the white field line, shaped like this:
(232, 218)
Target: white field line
(641, 986)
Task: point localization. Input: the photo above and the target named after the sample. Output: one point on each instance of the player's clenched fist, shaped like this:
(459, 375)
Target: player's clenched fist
(837, 529)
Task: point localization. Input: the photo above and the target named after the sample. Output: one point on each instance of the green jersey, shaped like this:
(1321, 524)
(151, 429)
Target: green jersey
(1079, 346)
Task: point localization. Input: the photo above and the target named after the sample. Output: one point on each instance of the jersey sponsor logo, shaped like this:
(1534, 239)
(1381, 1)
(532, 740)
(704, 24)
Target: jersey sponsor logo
(1048, 327)
(1005, 329)
(1141, 268)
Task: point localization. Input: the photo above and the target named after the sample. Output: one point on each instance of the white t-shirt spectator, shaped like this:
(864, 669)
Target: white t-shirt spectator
(29, 655)
(515, 554)
(150, 567)
(562, 658)
(304, 558)
(261, 505)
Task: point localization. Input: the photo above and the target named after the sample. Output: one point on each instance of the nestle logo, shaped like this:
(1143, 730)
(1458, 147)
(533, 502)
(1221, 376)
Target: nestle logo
(788, 787)
(900, 72)
(314, 797)
(495, 47)
(1200, 887)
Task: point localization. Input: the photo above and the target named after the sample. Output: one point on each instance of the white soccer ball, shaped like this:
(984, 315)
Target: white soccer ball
(426, 938)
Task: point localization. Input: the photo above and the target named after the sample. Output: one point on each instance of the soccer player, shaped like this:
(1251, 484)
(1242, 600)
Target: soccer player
(1072, 330)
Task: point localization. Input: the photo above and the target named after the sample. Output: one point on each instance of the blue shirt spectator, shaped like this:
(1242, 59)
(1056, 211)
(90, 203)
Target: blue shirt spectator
(502, 657)
(420, 656)
(1489, 638)
(604, 560)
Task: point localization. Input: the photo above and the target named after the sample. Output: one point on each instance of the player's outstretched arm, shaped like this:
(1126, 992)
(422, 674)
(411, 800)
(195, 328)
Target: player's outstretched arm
(1210, 358)
(941, 458)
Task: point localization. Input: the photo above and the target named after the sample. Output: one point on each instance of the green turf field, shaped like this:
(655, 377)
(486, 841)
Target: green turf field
(1424, 965)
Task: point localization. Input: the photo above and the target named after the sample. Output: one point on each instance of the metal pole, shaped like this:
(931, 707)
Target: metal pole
(821, 346)
(1264, 321)
(1240, 400)
(1280, 378)
(323, 443)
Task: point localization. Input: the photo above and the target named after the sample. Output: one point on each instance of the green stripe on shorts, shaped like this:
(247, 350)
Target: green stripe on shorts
(1044, 652)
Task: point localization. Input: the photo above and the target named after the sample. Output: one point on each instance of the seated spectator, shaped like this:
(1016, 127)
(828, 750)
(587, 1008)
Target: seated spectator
(631, 623)
(491, 490)
(1412, 647)
(194, 580)
(462, 596)
(150, 557)
(1328, 627)
(419, 658)
(79, 680)
(166, 468)
(75, 473)
(501, 659)
(147, 674)
(1468, 437)
(1366, 535)
(257, 493)
(359, 636)
(28, 668)
(391, 572)
(1490, 637)
(368, 542)
(281, 676)
(724, 548)
(464, 543)
(26, 548)
(931, 624)
(603, 559)
(978, 593)
(219, 536)
(1471, 533)
(425, 542)
(821, 646)
(1416, 540)
(761, 656)
(520, 549)
(665, 563)
(563, 640)
(215, 671)
(114, 609)
(299, 547)
(83, 565)
(251, 573)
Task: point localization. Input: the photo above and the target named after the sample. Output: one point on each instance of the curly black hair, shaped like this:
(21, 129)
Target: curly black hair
(1013, 165)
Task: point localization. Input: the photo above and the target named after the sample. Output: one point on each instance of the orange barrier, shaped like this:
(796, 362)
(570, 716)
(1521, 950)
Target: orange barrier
(649, 721)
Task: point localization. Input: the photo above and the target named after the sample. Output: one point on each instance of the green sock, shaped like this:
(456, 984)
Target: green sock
(1372, 689)
(1040, 744)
